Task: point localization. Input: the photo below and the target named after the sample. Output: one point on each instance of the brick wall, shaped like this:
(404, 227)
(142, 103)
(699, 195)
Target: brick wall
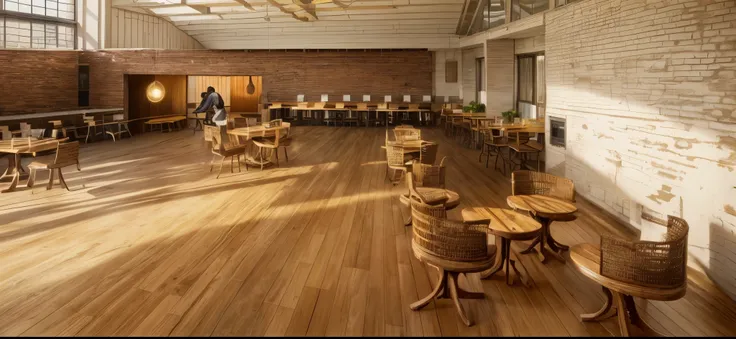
(285, 74)
(649, 92)
(44, 81)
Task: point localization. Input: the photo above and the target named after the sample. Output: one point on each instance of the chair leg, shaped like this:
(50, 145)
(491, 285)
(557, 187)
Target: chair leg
(31, 178)
(212, 163)
(220, 171)
(231, 164)
(51, 180)
(277, 157)
(239, 163)
(286, 155)
(63, 182)
(452, 286)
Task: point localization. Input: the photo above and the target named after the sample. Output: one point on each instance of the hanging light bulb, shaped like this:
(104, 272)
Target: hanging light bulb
(251, 88)
(155, 92)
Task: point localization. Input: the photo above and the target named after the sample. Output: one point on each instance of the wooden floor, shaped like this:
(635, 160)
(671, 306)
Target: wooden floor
(150, 243)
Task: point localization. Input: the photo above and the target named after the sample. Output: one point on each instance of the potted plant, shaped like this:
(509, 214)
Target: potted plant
(509, 116)
(474, 107)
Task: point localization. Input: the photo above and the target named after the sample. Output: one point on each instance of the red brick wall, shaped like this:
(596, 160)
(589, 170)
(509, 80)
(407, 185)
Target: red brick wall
(44, 80)
(285, 74)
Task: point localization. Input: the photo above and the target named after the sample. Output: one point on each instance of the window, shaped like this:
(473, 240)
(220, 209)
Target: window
(559, 3)
(521, 9)
(480, 79)
(490, 14)
(532, 94)
(37, 24)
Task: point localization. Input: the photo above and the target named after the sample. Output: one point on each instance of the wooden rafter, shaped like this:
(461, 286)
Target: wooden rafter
(309, 8)
(286, 11)
(246, 5)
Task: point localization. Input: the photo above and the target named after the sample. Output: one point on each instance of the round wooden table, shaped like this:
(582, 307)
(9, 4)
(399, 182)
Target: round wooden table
(506, 225)
(545, 210)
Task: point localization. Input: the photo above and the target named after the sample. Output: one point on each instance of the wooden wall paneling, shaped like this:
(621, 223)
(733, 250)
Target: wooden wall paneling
(241, 101)
(451, 71)
(138, 104)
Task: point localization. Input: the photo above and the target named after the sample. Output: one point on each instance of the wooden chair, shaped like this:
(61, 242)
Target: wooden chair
(655, 270)
(24, 131)
(225, 150)
(453, 247)
(5, 133)
(493, 145)
(363, 111)
(67, 154)
(285, 140)
(57, 126)
(122, 127)
(519, 150)
(270, 144)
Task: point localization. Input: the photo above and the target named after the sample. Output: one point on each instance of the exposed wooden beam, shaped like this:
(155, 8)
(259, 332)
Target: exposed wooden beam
(475, 15)
(246, 5)
(309, 9)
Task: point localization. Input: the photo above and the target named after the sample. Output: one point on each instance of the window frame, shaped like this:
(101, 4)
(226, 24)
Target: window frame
(480, 77)
(532, 56)
(38, 18)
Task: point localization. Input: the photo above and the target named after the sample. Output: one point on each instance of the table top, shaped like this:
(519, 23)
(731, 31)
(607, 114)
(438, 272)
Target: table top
(541, 205)
(259, 130)
(36, 145)
(58, 114)
(505, 222)
(164, 120)
(402, 110)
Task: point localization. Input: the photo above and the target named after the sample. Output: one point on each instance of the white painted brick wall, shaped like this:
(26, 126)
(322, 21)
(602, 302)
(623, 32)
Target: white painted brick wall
(649, 92)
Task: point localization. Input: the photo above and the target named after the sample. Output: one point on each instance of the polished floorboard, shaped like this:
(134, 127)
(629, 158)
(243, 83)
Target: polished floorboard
(148, 242)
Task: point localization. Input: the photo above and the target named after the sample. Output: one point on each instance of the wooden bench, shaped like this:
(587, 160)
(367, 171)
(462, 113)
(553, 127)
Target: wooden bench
(168, 121)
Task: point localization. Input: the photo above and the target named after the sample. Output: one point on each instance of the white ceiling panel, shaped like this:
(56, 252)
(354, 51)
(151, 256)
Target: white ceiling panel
(285, 24)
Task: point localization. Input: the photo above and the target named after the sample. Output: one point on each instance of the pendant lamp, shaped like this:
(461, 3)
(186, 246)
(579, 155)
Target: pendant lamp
(155, 92)
(251, 88)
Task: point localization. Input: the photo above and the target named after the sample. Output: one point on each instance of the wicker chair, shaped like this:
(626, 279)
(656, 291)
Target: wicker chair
(428, 175)
(428, 181)
(406, 134)
(395, 161)
(454, 247)
(655, 270)
(225, 150)
(428, 153)
(285, 140)
(67, 154)
(530, 183)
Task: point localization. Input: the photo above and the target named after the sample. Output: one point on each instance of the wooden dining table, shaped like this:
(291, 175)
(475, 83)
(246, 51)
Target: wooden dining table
(506, 225)
(17, 148)
(545, 209)
(260, 131)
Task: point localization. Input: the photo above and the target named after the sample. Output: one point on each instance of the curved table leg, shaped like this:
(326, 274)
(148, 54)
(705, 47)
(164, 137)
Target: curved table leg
(15, 173)
(603, 313)
(500, 259)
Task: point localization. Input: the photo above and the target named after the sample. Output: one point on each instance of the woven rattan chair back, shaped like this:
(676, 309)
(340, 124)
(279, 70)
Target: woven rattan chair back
(530, 182)
(395, 156)
(67, 154)
(661, 264)
(428, 153)
(407, 134)
(447, 239)
(429, 175)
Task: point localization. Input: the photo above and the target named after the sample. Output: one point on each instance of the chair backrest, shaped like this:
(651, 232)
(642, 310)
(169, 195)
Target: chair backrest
(407, 134)
(383, 105)
(427, 175)
(447, 239)
(37, 132)
(56, 123)
(24, 126)
(6, 135)
(118, 117)
(393, 106)
(660, 264)
(319, 105)
(251, 122)
(438, 210)
(276, 105)
(530, 182)
(340, 105)
(217, 144)
(428, 153)
(4, 128)
(67, 154)
(394, 155)
(362, 106)
(287, 132)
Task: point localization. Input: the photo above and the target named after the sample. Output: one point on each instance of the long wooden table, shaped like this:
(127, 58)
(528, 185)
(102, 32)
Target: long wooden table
(23, 147)
(169, 121)
(59, 114)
